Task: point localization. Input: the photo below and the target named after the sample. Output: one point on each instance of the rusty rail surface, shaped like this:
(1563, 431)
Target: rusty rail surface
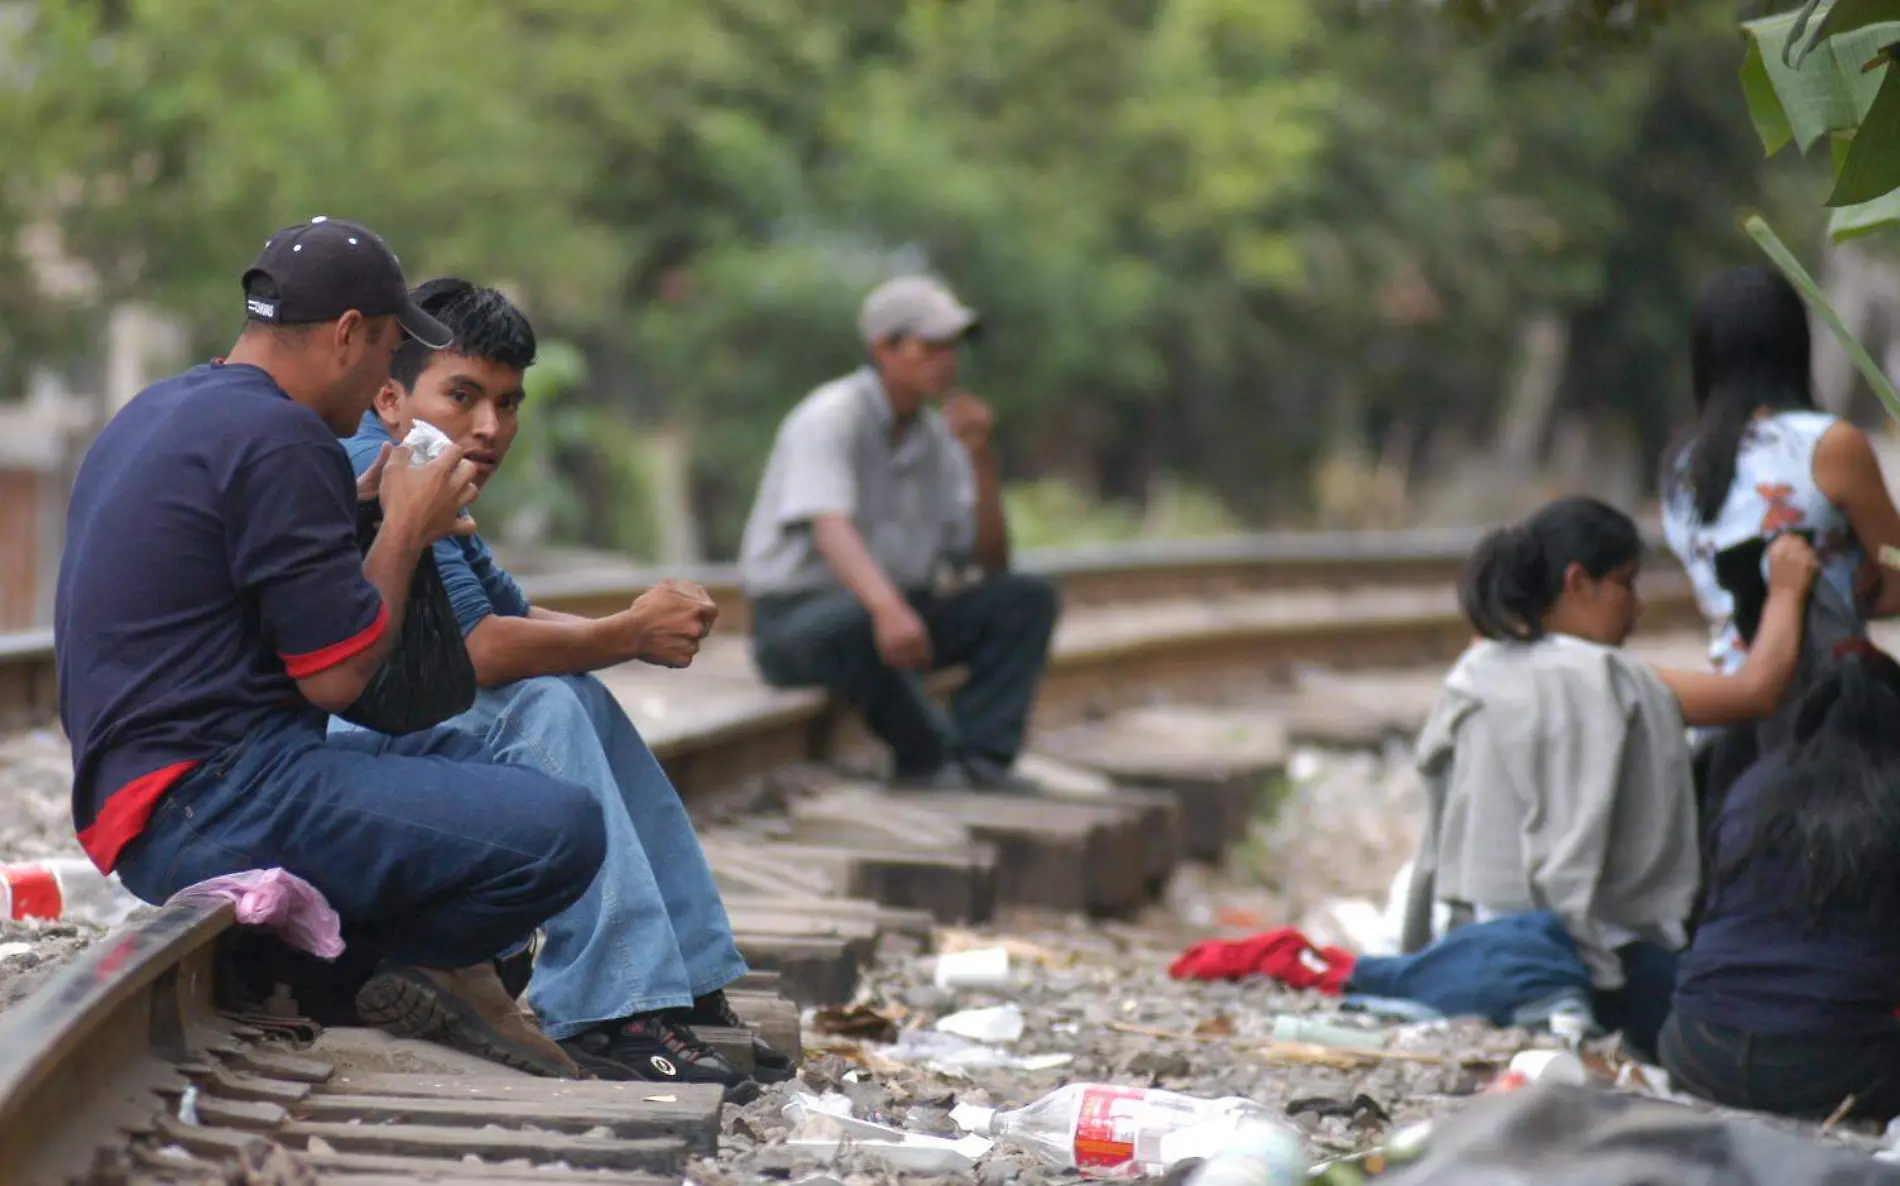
(96, 1041)
(88, 1054)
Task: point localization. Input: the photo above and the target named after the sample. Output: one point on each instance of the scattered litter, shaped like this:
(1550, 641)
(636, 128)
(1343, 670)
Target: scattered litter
(1361, 1111)
(1002, 1023)
(953, 940)
(1256, 1155)
(1288, 1027)
(857, 1022)
(1406, 1145)
(1118, 1132)
(824, 1126)
(662, 1099)
(64, 888)
(9, 950)
(188, 1105)
(1538, 1066)
(983, 967)
(280, 901)
(949, 1054)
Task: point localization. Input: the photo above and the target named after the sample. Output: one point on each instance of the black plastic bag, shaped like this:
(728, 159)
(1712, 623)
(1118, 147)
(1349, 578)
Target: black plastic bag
(429, 677)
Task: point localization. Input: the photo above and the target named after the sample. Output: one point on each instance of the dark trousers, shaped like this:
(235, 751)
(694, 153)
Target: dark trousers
(1792, 1076)
(1639, 1008)
(429, 852)
(998, 628)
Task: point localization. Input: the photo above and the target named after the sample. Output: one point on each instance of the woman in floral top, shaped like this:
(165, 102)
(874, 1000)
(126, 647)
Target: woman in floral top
(1760, 459)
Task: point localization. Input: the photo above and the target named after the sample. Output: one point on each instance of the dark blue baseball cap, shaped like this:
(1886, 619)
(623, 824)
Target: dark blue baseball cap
(321, 269)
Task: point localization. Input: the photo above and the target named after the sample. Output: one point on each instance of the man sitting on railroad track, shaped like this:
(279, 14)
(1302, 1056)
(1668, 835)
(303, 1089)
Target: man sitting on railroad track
(641, 959)
(214, 607)
(869, 494)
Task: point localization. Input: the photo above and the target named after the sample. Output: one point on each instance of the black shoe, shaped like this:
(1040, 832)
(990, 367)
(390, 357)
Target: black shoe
(987, 775)
(654, 1048)
(769, 1064)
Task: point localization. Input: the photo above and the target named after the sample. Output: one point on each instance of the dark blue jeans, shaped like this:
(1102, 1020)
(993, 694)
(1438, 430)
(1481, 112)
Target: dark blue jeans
(1792, 1076)
(430, 852)
(999, 628)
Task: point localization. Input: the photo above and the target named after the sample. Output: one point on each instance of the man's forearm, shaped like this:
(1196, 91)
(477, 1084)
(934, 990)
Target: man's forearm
(992, 527)
(843, 547)
(506, 649)
(389, 566)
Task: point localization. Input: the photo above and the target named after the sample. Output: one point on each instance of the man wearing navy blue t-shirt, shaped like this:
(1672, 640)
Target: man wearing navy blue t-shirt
(213, 608)
(629, 970)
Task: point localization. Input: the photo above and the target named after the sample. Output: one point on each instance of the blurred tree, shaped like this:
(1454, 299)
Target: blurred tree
(160, 142)
(1216, 240)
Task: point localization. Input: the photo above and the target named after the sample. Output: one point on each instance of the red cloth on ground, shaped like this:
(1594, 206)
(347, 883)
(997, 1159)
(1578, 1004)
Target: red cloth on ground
(1285, 954)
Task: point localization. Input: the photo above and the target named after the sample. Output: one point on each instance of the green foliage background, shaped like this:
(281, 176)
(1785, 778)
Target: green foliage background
(1211, 236)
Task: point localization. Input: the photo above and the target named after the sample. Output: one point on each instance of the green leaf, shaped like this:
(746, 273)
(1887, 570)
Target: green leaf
(1797, 275)
(1831, 91)
(1764, 106)
(1851, 222)
(1848, 16)
(1872, 166)
(1813, 99)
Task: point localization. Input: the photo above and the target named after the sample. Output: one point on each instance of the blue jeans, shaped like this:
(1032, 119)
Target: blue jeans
(650, 932)
(429, 851)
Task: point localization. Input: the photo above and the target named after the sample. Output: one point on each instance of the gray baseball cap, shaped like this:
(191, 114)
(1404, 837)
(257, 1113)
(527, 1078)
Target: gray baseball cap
(915, 307)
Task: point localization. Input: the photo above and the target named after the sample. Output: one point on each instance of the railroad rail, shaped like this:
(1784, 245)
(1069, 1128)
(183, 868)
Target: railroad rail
(129, 1038)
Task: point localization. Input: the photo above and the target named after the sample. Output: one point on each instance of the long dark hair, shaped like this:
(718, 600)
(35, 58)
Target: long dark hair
(1833, 808)
(1748, 349)
(1515, 574)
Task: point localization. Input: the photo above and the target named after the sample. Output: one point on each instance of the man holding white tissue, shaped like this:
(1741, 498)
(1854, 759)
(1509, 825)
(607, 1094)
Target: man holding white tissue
(215, 607)
(630, 969)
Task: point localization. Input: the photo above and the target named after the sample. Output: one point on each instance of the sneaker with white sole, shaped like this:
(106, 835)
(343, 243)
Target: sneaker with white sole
(655, 1048)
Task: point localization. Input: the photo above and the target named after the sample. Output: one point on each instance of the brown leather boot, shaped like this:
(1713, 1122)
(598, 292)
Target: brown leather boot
(464, 1008)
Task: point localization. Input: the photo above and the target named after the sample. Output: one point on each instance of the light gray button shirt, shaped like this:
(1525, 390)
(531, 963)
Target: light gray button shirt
(913, 499)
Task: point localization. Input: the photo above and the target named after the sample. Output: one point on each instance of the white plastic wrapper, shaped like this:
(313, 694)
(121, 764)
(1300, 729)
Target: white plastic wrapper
(425, 443)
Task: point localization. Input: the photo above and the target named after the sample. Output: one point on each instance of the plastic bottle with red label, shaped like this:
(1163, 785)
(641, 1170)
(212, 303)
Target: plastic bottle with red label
(1122, 1132)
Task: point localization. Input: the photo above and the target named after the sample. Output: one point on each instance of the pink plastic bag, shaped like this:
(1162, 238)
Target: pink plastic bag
(279, 900)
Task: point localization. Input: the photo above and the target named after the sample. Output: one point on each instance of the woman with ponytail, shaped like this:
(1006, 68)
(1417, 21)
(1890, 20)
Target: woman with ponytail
(1556, 767)
(1786, 998)
(1760, 459)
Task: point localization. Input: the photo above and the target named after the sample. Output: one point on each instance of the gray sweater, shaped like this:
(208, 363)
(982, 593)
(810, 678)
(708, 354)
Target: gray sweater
(1557, 777)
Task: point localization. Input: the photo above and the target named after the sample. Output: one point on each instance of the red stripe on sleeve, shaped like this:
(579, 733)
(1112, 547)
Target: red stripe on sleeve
(306, 665)
(125, 812)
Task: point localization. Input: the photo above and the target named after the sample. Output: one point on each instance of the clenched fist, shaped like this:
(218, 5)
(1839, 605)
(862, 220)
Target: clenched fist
(670, 620)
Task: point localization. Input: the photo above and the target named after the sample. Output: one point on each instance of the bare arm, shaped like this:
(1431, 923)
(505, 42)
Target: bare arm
(1708, 698)
(505, 649)
(664, 626)
(1847, 471)
(992, 528)
(842, 545)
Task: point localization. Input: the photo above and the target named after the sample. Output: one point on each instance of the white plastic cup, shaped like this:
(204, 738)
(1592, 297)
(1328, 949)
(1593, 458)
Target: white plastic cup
(985, 967)
(1553, 1066)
